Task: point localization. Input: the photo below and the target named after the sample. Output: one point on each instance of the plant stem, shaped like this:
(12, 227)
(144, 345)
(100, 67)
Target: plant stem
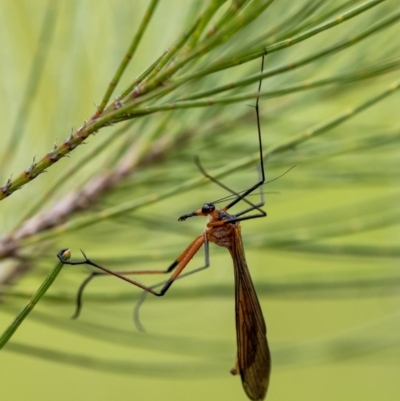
(128, 56)
(7, 334)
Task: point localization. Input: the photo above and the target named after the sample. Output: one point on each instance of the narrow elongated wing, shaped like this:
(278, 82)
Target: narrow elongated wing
(253, 356)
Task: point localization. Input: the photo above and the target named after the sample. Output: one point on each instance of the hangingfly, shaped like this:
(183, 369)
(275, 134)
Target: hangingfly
(253, 361)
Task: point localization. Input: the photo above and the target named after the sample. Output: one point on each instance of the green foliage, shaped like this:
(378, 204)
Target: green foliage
(174, 80)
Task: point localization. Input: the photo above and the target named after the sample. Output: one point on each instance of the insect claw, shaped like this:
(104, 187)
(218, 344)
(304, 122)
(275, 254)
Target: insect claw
(64, 254)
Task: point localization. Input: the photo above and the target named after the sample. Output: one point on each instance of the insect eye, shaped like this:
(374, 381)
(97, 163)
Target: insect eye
(207, 208)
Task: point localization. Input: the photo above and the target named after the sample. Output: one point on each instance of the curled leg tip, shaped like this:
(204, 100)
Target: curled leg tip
(64, 254)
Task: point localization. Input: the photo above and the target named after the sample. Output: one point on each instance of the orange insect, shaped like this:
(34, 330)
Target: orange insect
(253, 361)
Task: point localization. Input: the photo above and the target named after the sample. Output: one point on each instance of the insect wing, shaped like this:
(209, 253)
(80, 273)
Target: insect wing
(254, 361)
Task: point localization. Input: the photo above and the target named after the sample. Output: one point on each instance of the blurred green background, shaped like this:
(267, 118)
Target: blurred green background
(325, 262)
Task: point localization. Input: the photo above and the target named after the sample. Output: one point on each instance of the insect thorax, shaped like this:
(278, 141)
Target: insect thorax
(222, 235)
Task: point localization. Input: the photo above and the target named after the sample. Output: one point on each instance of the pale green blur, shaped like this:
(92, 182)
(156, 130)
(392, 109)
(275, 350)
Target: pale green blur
(324, 261)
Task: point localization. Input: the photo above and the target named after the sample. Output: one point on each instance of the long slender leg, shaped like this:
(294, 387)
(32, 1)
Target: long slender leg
(242, 196)
(79, 294)
(257, 205)
(84, 284)
(179, 264)
(136, 317)
(262, 180)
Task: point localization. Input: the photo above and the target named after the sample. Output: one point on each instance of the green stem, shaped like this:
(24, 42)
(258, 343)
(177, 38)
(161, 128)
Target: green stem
(162, 83)
(204, 47)
(32, 302)
(229, 62)
(130, 206)
(190, 102)
(128, 56)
